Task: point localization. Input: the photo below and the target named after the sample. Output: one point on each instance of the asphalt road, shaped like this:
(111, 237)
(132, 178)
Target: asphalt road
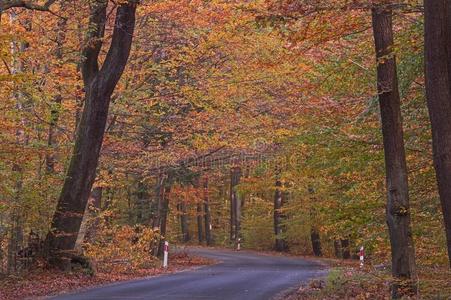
(238, 275)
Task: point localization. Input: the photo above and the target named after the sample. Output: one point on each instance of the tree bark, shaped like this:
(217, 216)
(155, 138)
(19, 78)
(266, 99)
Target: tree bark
(345, 249)
(280, 243)
(99, 85)
(157, 208)
(164, 215)
(142, 198)
(184, 222)
(232, 215)
(57, 99)
(316, 241)
(397, 210)
(199, 210)
(337, 248)
(235, 204)
(200, 231)
(22, 139)
(437, 20)
(207, 214)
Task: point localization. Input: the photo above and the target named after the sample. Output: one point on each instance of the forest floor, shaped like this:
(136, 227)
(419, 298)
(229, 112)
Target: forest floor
(346, 280)
(41, 283)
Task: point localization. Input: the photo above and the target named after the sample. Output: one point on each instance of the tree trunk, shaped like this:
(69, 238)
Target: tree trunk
(345, 249)
(14, 242)
(316, 241)
(200, 232)
(164, 215)
(437, 18)
(99, 85)
(232, 215)
(56, 105)
(337, 248)
(142, 198)
(157, 207)
(280, 243)
(184, 222)
(22, 139)
(199, 210)
(235, 204)
(207, 214)
(397, 210)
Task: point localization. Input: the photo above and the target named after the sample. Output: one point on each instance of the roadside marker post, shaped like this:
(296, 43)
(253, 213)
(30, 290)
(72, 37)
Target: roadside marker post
(238, 245)
(362, 256)
(165, 254)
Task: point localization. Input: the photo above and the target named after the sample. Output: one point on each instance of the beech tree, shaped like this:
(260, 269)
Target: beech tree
(437, 34)
(397, 209)
(235, 204)
(99, 84)
(291, 80)
(207, 214)
(280, 197)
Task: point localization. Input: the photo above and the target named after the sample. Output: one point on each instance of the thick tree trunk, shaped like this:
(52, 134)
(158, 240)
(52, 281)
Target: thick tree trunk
(99, 85)
(437, 20)
(235, 204)
(397, 210)
(207, 214)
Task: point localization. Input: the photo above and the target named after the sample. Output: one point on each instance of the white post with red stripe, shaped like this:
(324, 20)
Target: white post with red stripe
(362, 256)
(165, 254)
(238, 245)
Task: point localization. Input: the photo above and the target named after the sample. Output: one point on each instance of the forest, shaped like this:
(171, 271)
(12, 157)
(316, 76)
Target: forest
(304, 127)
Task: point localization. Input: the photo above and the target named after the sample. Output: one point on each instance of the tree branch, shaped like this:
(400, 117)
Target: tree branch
(7, 4)
(93, 41)
(121, 41)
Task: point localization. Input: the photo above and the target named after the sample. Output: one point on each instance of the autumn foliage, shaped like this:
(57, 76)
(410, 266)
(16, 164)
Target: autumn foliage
(284, 91)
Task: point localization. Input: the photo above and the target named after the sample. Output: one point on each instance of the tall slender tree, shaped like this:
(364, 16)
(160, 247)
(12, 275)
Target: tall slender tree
(397, 209)
(280, 242)
(235, 204)
(207, 214)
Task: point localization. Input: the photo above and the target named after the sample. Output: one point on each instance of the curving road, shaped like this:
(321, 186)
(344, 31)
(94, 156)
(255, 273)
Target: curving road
(238, 276)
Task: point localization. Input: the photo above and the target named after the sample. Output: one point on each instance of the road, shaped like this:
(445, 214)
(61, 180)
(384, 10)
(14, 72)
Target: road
(237, 276)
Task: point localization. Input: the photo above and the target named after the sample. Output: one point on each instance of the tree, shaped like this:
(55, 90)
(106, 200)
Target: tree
(235, 204)
(207, 214)
(99, 84)
(437, 34)
(34, 5)
(397, 209)
(279, 197)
